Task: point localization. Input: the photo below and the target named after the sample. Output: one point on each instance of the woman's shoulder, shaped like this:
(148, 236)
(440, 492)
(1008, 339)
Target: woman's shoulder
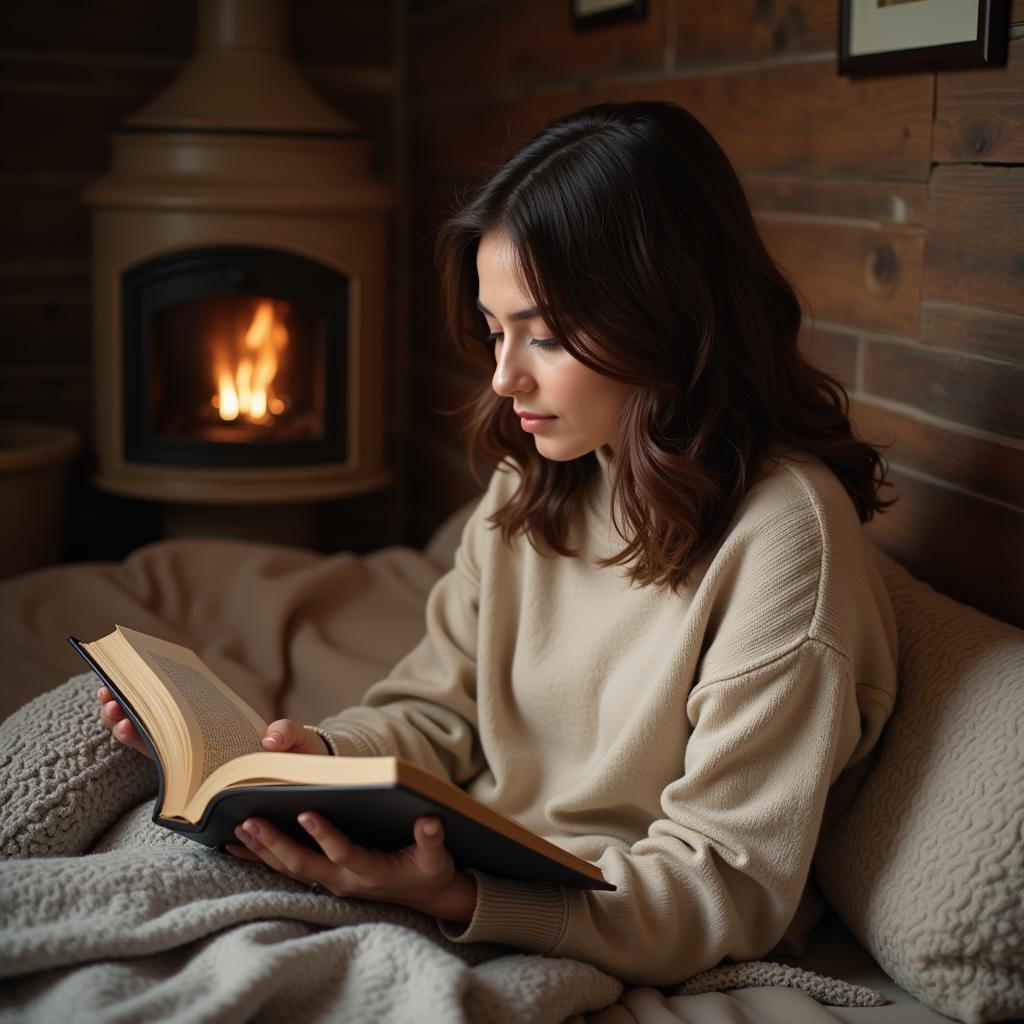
(797, 485)
(795, 563)
(796, 509)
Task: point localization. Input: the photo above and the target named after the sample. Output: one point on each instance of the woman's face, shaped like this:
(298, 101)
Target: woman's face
(569, 408)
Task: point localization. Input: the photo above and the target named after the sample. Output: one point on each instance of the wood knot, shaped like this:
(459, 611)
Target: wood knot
(881, 269)
(982, 136)
(791, 28)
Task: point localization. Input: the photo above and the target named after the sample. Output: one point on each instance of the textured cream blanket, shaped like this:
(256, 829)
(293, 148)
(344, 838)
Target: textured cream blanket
(150, 926)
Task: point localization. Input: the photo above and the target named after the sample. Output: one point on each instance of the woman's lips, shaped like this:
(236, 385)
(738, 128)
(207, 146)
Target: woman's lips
(531, 424)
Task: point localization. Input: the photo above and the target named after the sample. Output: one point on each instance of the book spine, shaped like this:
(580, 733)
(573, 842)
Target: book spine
(135, 720)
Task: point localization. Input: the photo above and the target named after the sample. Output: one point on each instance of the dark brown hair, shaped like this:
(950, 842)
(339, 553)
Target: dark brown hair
(635, 239)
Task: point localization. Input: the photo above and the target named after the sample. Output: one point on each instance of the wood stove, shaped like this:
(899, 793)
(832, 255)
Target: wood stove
(239, 268)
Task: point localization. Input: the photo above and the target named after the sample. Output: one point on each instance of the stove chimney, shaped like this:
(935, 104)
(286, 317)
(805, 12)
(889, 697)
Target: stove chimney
(241, 79)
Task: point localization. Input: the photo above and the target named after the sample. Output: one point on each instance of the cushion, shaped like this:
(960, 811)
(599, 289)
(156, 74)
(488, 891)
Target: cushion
(926, 866)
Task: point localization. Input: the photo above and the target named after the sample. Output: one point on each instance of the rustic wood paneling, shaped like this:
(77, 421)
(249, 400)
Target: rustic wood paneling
(429, 338)
(979, 115)
(47, 322)
(352, 33)
(355, 523)
(53, 392)
(742, 29)
(981, 393)
(441, 482)
(100, 26)
(44, 218)
(886, 202)
(803, 118)
(973, 254)
(63, 129)
(794, 118)
(373, 112)
(437, 393)
(851, 273)
(460, 50)
(967, 460)
(469, 137)
(833, 351)
(997, 335)
(965, 546)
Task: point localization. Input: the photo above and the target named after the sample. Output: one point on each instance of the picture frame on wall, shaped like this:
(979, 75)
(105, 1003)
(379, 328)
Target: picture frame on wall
(588, 14)
(890, 37)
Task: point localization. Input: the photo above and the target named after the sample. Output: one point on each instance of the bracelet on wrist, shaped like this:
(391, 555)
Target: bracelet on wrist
(326, 737)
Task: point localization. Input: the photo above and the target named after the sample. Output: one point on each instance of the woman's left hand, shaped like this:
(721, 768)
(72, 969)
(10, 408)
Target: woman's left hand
(421, 876)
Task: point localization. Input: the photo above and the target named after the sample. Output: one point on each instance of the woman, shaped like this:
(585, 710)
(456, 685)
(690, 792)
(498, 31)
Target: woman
(664, 638)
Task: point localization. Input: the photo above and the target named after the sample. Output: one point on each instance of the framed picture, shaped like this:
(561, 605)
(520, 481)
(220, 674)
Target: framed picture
(887, 37)
(586, 14)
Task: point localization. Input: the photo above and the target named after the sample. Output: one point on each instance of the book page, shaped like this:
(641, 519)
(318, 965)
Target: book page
(226, 732)
(219, 724)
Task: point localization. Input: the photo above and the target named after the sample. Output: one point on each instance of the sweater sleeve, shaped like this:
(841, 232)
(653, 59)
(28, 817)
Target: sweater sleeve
(425, 711)
(721, 874)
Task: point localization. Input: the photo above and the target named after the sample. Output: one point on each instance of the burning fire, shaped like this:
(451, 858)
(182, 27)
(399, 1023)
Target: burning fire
(245, 370)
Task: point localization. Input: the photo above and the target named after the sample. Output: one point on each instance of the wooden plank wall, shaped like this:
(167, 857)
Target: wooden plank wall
(69, 73)
(895, 203)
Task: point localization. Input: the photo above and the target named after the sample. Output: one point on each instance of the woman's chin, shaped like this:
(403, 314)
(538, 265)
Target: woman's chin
(560, 451)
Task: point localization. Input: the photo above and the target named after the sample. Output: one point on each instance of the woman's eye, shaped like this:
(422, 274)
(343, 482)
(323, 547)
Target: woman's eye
(542, 343)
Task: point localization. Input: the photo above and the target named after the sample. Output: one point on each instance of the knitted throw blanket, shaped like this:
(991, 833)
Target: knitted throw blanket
(105, 916)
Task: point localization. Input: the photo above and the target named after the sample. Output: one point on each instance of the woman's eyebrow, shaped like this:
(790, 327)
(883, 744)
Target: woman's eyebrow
(523, 314)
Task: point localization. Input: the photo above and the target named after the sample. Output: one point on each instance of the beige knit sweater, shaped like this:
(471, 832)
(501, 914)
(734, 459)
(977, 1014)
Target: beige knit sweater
(684, 742)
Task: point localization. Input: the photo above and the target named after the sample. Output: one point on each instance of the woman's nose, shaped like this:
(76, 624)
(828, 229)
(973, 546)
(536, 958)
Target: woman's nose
(511, 377)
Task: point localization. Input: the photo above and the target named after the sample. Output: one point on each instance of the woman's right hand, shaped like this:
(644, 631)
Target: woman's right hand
(283, 736)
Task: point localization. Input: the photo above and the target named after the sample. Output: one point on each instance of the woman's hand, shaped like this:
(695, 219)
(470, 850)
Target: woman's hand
(421, 876)
(286, 736)
(113, 717)
(283, 736)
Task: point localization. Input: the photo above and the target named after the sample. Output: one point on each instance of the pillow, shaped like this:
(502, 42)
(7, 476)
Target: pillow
(926, 867)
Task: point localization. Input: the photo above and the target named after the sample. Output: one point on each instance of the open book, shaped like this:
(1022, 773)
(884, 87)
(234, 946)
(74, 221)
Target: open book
(213, 772)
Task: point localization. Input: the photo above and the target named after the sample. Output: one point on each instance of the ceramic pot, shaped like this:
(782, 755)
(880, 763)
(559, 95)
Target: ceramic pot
(34, 460)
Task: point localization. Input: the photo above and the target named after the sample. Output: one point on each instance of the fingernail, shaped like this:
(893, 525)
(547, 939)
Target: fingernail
(252, 828)
(275, 737)
(308, 822)
(431, 828)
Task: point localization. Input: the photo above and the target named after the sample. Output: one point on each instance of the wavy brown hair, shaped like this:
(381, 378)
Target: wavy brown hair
(635, 239)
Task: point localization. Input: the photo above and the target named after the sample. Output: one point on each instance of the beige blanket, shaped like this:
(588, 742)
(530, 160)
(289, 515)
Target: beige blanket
(294, 632)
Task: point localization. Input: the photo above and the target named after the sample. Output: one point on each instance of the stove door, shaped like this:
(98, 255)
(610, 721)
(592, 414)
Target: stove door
(235, 356)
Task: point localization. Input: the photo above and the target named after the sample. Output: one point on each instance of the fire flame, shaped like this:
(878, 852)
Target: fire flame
(245, 375)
